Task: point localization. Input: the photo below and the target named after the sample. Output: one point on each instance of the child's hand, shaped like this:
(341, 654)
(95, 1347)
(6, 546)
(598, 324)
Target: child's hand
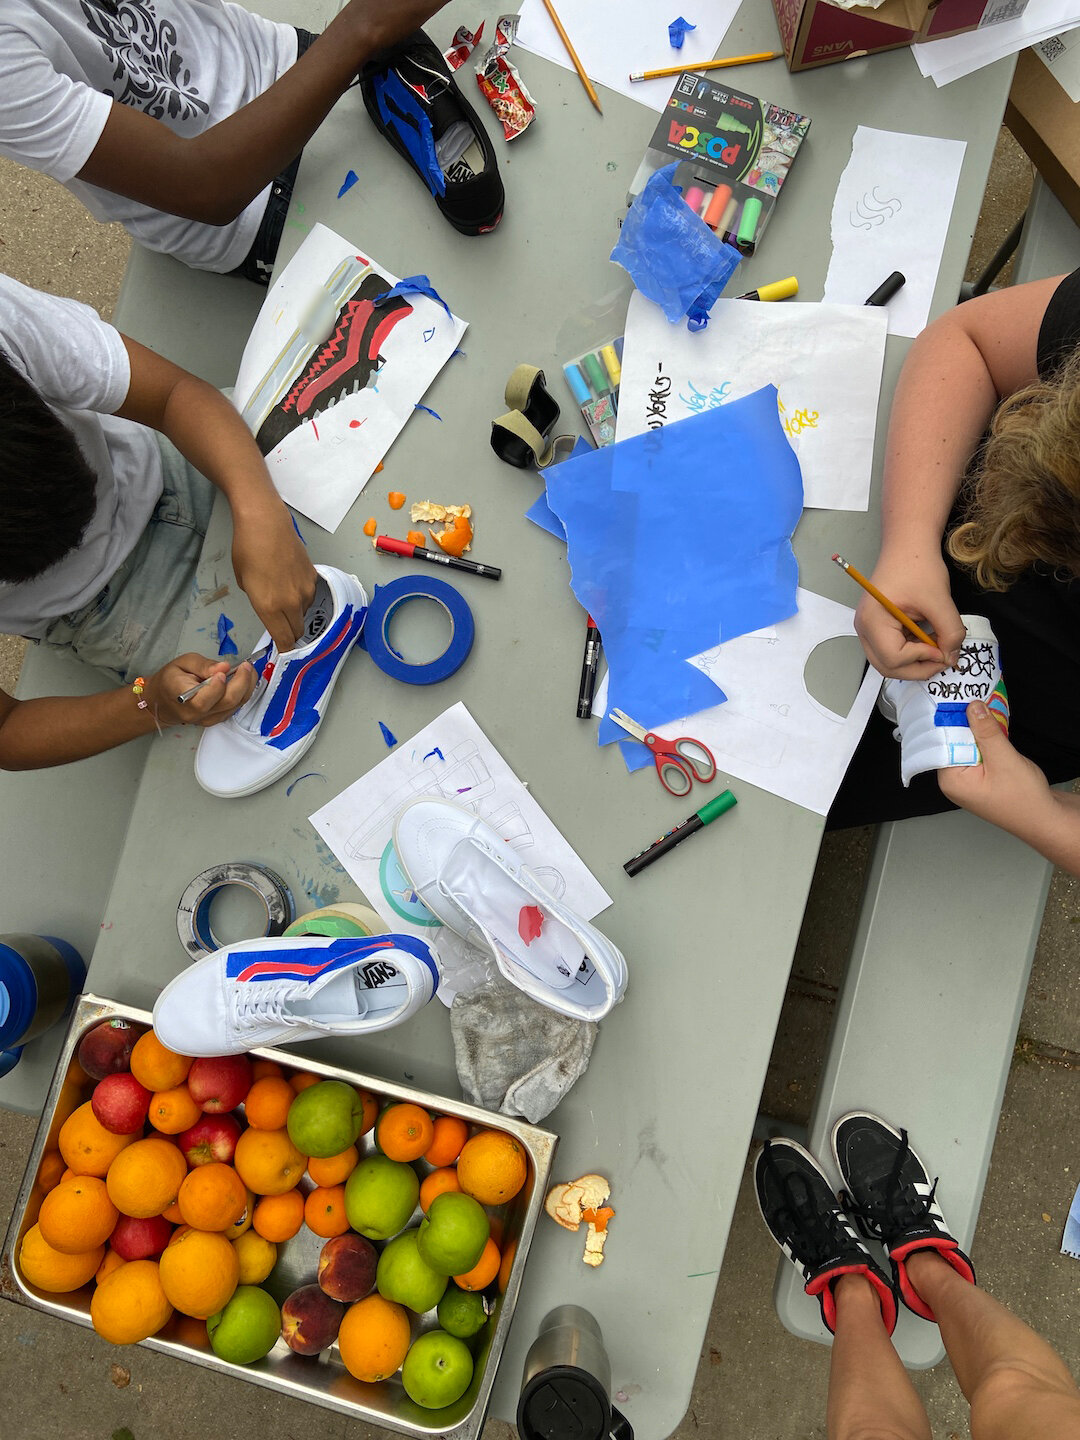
(211, 705)
(272, 567)
(921, 590)
(1007, 789)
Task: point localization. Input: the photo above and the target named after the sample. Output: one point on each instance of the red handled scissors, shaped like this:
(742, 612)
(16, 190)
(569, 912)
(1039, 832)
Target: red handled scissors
(678, 762)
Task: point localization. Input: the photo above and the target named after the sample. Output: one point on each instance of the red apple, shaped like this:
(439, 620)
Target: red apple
(120, 1103)
(212, 1138)
(107, 1048)
(140, 1239)
(220, 1083)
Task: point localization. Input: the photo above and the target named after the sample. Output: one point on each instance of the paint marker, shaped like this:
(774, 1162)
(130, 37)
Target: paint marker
(778, 290)
(186, 696)
(748, 223)
(718, 203)
(579, 386)
(724, 229)
(389, 546)
(610, 357)
(887, 289)
(589, 662)
(693, 196)
(595, 371)
(710, 811)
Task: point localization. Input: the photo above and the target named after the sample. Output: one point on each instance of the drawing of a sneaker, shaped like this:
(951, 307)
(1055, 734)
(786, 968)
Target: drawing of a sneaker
(930, 715)
(284, 990)
(346, 363)
(266, 737)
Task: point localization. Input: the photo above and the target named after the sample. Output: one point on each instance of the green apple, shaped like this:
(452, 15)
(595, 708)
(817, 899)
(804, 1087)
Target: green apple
(403, 1275)
(462, 1312)
(247, 1328)
(437, 1370)
(325, 1118)
(453, 1236)
(380, 1195)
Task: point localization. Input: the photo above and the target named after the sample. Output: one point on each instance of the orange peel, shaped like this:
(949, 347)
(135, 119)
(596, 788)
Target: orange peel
(456, 538)
(395, 499)
(580, 1200)
(370, 526)
(416, 537)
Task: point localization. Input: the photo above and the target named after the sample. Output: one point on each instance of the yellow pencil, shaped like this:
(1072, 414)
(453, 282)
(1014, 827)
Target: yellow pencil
(573, 55)
(894, 610)
(705, 65)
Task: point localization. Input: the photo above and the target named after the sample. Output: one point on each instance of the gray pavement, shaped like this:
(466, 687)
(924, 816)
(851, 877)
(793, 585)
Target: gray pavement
(754, 1381)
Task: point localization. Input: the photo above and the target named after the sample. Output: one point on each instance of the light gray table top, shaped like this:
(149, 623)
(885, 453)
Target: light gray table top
(668, 1104)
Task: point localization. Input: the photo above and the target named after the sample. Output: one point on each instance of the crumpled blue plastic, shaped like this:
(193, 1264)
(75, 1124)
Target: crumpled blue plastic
(678, 539)
(417, 138)
(677, 32)
(226, 644)
(540, 512)
(671, 255)
(413, 285)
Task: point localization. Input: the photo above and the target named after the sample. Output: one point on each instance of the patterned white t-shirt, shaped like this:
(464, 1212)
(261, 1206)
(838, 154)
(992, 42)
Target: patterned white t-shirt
(187, 63)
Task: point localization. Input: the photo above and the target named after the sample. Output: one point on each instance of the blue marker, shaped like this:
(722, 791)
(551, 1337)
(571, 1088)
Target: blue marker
(579, 386)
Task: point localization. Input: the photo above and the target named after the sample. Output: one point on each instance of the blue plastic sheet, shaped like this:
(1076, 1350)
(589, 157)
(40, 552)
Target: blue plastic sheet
(678, 539)
(226, 644)
(677, 32)
(540, 512)
(350, 180)
(413, 285)
(671, 255)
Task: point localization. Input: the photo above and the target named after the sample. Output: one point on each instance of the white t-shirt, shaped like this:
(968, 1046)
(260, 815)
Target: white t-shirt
(79, 366)
(187, 63)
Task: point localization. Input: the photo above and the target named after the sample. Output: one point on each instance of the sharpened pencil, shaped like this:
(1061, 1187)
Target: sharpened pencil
(550, 8)
(704, 65)
(894, 610)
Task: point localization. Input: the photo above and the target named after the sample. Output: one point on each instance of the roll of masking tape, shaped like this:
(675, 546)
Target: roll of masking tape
(193, 912)
(385, 603)
(341, 922)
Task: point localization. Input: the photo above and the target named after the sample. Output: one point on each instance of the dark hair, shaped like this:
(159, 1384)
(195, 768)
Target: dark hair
(47, 489)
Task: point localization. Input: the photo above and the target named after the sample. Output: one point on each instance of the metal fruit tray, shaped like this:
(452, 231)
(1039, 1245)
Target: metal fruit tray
(323, 1379)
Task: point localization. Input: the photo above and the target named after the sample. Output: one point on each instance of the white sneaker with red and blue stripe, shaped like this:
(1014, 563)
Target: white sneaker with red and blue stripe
(281, 991)
(266, 737)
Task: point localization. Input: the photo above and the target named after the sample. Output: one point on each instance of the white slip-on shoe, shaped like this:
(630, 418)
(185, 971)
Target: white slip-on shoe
(471, 880)
(930, 715)
(266, 737)
(281, 991)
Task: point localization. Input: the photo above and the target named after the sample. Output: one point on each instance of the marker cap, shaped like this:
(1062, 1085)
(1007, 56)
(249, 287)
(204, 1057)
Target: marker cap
(779, 289)
(716, 807)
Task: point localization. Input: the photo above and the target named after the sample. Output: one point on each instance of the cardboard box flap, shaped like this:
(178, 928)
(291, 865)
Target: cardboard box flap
(905, 14)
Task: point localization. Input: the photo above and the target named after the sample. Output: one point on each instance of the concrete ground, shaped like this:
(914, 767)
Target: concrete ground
(754, 1381)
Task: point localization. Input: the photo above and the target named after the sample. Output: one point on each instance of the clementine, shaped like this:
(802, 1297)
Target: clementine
(279, 1217)
(212, 1197)
(144, 1179)
(492, 1167)
(404, 1131)
(86, 1146)
(374, 1338)
(157, 1067)
(268, 1162)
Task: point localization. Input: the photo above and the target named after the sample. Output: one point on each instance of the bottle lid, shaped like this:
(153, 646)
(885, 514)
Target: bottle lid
(18, 997)
(563, 1402)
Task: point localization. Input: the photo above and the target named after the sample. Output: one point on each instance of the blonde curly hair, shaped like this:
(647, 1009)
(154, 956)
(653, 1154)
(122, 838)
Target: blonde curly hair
(1022, 500)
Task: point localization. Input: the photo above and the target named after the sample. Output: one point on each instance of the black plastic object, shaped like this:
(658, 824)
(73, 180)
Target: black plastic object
(565, 1402)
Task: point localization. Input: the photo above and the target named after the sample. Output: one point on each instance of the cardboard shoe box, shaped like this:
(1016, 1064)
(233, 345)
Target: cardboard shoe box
(1046, 122)
(815, 32)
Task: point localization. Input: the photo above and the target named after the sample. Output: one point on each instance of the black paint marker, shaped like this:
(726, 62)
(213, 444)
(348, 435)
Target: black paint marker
(709, 812)
(589, 662)
(887, 289)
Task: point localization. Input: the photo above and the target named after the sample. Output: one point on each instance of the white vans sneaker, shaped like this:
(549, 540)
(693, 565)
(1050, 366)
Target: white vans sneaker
(930, 715)
(472, 881)
(281, 991)
(266, 737)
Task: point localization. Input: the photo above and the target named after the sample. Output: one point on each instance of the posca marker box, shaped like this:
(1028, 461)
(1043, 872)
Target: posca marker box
(734, 153)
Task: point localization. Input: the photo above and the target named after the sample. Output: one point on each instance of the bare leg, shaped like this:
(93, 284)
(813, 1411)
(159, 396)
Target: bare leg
(1016, 1385)
(870, 1395)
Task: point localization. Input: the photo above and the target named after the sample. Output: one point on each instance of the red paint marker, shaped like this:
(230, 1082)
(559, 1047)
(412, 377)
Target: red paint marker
(389, 546)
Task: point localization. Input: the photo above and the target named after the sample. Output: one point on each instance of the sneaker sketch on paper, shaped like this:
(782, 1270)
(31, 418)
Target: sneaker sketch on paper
(463, 776)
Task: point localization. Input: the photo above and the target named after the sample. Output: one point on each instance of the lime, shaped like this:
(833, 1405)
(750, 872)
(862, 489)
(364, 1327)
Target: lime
(437, 1370)
(325, 1118)
(247, 1328)
(453, 1236)
(462, 1312)
(405, 1277)
(380, 1195)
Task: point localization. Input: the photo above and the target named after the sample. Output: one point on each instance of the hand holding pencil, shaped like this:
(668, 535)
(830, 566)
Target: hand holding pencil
(896, 642)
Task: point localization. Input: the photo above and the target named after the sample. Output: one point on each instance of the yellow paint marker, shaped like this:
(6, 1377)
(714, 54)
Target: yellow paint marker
(778, 290)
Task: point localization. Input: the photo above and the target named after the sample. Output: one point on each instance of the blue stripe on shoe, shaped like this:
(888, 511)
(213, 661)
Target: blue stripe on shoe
(401, 112)
(306, 963)
(293, 711)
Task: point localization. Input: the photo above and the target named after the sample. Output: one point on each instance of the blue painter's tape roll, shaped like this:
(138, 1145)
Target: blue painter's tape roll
(385, 602)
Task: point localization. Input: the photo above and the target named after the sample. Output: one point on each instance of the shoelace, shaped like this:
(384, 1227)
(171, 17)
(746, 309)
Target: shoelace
(249, 1009)
(892, 1205)
(800, 1216)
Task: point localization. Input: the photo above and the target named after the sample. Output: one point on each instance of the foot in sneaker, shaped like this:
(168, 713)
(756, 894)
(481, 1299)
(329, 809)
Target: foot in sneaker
(471, 880)
(414, 101)
(266, 737)
(282, 991)
(931, 715)
(892, 1199)
(804, 1217)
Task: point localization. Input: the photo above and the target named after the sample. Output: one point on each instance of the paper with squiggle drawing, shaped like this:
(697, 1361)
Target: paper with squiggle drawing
(891, 212)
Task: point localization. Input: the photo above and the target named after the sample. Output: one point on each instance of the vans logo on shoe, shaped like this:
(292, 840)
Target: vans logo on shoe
(377, 973)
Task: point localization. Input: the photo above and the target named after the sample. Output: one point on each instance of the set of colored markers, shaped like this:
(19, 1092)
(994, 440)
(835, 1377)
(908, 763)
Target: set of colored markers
(593, 379)
(733, 221)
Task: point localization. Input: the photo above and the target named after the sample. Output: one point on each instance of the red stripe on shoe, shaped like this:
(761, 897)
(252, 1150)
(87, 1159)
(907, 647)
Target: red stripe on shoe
(821, 1288)
(949, 1251)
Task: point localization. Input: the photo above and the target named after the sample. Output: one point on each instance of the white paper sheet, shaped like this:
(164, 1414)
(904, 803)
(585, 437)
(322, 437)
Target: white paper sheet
(615, 37)
(334, 379)
(891, 212)
(825, 361)
(954, 56)
(771, 732)
(451, 758)
(1061, 56)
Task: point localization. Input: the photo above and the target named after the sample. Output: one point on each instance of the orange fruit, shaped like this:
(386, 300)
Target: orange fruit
(260, 1069)
(212, 1197)
(190, 1331)
(374, 1338)
(370, 1112)
(68, 1174)
(404, 1131)
(266, 1105)
(130, 1305)
(492, 1167)
(86, 1146)
(144, 1179)
(324, 1211)
(268, 1162)
(505, 1265)
(51, 1269)
(301, 1079)
(437, 1183)
(173, 1110)
(156, 1067)
(112, 1262)
(335, 1169)
(243, 1225)
(450, 1135)
(279, 1217)
(77, 1215)
(50, 1171)
(199, 1272)
(484, 1271)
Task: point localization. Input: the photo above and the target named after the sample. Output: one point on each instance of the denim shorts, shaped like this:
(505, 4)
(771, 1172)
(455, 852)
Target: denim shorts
(132, 626)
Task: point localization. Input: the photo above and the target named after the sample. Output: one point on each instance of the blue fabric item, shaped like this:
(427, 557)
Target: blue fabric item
(678, 539)
(400, 111)
(671, 255)
(677, 32)
(346, 185)
(226, 644)
(540, 512)
(413, 285)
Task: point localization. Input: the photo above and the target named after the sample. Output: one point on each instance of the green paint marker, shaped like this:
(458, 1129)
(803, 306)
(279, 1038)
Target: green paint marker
(709, 812)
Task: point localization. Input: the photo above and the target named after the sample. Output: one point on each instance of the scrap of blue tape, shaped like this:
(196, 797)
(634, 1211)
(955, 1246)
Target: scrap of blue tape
(386, 601)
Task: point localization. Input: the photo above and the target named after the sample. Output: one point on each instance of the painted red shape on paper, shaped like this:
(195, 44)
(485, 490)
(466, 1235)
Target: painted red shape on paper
(530, 922)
